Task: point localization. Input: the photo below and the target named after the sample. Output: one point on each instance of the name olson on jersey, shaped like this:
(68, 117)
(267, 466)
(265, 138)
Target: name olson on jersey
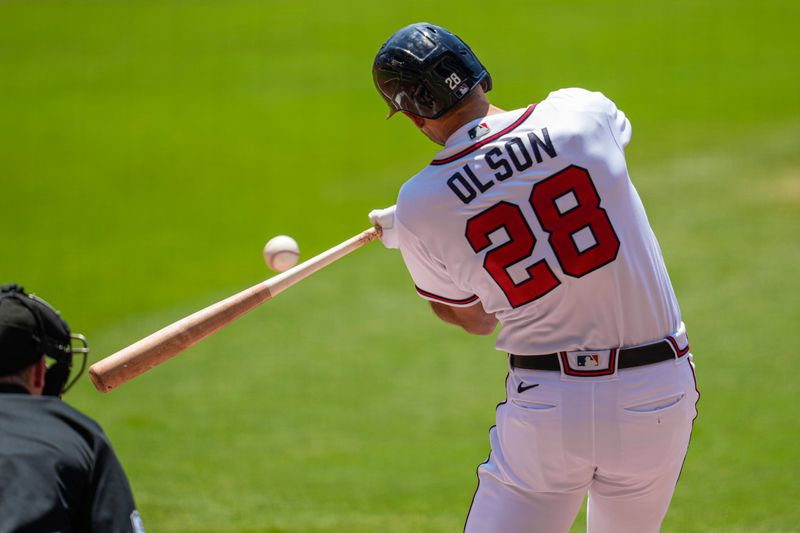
(515, 155)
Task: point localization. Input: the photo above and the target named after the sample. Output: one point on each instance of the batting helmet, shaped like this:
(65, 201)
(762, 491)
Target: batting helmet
(29, 329)
(425, 70)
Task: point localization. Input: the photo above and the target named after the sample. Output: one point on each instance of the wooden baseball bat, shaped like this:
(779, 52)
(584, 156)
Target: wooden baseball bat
(168, 342)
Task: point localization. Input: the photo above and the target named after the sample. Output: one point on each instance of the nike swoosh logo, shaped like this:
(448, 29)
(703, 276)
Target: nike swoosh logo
(522, 387)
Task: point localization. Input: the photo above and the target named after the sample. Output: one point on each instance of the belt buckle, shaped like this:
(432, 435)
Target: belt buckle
(589, 363)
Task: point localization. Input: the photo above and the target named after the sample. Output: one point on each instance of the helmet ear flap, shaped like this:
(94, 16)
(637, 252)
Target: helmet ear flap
(423, 97)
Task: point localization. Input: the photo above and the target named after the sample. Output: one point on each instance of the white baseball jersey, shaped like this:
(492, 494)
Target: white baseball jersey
(532, 213)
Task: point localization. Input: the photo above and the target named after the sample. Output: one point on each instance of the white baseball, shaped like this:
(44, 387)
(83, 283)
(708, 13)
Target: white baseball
(281, 253)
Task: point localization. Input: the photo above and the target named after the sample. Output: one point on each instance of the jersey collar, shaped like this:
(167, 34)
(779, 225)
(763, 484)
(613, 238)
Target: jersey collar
(13, 388)
(457, 138)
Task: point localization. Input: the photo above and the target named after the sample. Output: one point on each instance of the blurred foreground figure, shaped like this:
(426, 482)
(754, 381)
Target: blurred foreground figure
(58, 472)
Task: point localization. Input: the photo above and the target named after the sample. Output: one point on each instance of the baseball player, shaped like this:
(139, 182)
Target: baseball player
(529, 218)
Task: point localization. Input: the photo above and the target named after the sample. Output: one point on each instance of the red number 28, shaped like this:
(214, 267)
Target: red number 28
(579, 214)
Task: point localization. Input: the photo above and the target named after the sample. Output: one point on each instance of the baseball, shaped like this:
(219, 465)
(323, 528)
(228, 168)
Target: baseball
(281, 253)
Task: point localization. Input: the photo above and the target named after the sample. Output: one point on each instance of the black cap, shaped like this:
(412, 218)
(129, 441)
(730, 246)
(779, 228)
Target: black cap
(29, 329)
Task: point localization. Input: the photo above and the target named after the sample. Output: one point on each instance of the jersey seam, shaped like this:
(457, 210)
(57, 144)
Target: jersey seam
(613, 135)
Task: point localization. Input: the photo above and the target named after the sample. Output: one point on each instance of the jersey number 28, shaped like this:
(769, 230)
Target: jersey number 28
(566, 204)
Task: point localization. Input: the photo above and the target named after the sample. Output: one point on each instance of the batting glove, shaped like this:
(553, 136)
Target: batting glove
(384, 218)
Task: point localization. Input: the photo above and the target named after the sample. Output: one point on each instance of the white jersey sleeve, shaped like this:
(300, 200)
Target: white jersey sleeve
(429, 274)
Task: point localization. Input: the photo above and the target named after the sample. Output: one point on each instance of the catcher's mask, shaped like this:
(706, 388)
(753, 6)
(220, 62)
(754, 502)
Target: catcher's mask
(29, 329)
(425, 70)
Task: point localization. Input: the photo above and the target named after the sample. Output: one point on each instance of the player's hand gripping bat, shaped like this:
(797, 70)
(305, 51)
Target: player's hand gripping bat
(168, 342)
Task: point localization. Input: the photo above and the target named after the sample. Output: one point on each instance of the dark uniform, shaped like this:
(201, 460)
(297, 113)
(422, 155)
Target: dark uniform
(58, 472)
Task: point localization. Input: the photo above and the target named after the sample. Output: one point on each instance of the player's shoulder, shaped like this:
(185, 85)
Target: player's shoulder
(589, 111)
(69, 416)
(414, 198)
(577, 99)
(424, 198)
(58, 419)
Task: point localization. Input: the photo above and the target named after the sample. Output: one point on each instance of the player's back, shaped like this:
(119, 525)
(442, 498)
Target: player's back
(533, 212)
(47, 449)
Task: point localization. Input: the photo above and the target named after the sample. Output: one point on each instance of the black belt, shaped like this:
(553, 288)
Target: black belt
(628, 357)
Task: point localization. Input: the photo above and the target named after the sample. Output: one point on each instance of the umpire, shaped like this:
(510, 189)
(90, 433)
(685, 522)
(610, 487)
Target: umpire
(58, 472)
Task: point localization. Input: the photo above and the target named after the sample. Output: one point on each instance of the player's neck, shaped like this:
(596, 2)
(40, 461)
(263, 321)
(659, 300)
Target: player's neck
(473, 109)
(476, 106)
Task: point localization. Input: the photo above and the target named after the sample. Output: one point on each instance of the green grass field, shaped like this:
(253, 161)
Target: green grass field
(149, 149)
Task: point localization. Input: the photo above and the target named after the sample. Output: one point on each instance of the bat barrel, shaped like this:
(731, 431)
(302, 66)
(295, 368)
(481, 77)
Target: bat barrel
(168, 342)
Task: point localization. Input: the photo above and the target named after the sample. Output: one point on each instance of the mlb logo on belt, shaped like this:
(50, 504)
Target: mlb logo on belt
(594, 363)
(590, 360)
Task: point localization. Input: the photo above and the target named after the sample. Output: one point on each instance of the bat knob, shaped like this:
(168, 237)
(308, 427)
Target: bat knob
(97, 379)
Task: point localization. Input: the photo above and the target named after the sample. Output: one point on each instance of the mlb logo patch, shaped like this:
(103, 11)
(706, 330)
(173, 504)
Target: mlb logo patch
(462, 90)
(589, 360)
(594, 363)
(478, 131)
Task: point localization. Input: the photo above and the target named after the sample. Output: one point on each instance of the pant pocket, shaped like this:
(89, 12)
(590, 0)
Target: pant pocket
(658, 405)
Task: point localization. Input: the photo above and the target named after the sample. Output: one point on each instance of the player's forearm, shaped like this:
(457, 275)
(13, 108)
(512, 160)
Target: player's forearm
(472, 319)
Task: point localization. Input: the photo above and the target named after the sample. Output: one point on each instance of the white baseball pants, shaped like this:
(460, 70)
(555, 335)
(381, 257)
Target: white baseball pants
(621, 438)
